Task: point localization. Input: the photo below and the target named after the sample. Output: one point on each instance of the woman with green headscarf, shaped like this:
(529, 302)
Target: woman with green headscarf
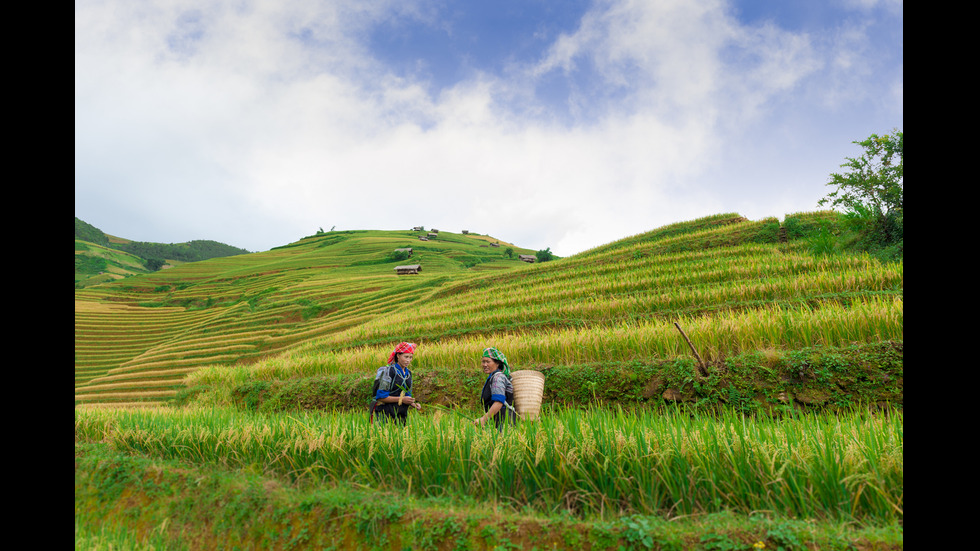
(498, 391)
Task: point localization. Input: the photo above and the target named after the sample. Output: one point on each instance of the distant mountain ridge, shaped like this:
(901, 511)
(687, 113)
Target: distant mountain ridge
(95, 261)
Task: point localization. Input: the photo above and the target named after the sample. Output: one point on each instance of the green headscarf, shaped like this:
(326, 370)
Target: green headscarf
(495, 354)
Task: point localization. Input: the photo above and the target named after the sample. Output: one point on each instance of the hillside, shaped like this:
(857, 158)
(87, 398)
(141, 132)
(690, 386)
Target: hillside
(100, 258)
(787, 434)
(236, 310)
(326, 309)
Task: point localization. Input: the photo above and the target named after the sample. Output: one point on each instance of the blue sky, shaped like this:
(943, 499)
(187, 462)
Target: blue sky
(543, 123)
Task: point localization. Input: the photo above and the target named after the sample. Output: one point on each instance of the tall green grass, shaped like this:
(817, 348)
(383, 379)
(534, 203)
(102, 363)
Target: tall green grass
(590, 464)
(92, 535)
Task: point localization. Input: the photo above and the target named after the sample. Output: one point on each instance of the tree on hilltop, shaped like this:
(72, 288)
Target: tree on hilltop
(875, 180)
(872, 193)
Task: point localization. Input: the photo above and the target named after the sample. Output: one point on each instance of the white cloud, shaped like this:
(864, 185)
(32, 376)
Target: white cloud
(272, 119)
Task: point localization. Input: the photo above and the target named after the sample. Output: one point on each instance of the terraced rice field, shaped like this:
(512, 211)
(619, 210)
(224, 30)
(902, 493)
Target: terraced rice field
(136, 339)
(599, 477)
(332, 304)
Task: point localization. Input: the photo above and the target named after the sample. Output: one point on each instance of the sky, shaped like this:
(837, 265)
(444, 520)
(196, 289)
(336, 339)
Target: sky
(561, 124)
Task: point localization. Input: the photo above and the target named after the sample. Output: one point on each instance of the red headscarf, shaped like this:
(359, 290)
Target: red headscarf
(402, 348)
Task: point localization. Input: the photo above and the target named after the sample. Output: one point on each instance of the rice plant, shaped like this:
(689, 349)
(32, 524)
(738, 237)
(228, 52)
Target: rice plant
(602, 463)
(717, 336)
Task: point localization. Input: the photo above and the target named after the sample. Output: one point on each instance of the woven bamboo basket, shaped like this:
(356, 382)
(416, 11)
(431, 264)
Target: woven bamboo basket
(528, 391)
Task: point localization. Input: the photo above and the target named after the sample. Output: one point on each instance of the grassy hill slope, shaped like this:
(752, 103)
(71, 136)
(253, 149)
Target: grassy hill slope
(101, 258)
(331, 306)
(136, 339)
(96, 264)
(279, 348)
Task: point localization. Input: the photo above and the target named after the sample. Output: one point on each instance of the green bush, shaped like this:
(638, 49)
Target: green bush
(545, 255)
(90, 264)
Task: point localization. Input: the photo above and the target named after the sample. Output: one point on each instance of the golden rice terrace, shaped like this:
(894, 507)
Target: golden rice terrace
(333, 303)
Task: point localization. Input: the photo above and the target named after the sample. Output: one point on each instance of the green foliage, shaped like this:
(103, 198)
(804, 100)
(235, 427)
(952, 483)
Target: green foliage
(544, 255)
(154, 264)
(191, 251)
(638, 532)
(824, 242)
(783, 536)
(397, 256)
(719, 542)
(430, 535)
(766, 231)
(874, 180)
(871, 193)
(88, 232)
(250, 395)
(804, 225)
(89, 264)
(879, 234)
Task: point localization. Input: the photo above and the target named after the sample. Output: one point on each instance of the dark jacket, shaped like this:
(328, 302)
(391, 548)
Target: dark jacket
(498, 388)
(390, 380)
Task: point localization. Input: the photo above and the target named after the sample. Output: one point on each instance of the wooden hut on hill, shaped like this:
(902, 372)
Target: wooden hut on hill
(409, 269)
(527, 258)
(405, 250)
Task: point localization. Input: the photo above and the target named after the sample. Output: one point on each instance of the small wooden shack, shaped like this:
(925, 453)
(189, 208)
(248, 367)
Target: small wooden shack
(435, 230)
(494, 244)
(417, 228)
(423, 238)
(527, 258)
(409, 269)
(432, 236)
(466, 232)
(405, 250)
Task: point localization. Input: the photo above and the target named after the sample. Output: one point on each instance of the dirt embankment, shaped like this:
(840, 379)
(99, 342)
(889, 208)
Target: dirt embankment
(769, 381)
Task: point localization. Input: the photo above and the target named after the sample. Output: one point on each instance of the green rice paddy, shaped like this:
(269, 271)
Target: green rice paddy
(652, 474)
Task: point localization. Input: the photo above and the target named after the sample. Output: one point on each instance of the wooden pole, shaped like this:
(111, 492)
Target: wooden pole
(701, 369)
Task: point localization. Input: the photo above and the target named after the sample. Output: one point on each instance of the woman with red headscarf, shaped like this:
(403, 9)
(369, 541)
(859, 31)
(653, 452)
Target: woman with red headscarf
(393, 385)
